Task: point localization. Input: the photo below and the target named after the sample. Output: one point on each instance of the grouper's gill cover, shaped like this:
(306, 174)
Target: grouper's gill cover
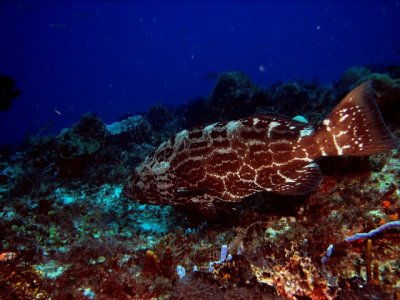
(228, 161)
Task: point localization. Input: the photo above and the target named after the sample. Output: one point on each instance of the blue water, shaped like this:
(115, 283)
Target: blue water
(119, 57)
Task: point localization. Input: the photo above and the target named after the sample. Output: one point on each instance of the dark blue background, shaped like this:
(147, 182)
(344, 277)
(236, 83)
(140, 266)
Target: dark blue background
(119, 57)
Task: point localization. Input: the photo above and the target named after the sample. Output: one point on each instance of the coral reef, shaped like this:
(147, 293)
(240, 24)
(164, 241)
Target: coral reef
(67, 231)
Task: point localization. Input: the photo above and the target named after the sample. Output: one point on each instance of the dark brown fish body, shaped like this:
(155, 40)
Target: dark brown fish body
(229, 161)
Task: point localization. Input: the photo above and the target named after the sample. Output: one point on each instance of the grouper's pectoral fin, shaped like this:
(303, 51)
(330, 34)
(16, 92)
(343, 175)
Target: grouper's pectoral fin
(199, 200)
(204, 204)
(298, 181)
(185, 192)
(207, 209)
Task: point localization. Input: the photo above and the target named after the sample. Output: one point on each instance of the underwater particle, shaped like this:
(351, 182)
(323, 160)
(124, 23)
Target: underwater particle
(261, 68)
(57, 112)
(318, 27)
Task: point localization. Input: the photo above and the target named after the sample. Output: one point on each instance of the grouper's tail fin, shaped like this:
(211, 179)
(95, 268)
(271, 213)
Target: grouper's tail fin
(355, 127)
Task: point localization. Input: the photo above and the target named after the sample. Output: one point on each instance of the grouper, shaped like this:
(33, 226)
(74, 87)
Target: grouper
(228, 161)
